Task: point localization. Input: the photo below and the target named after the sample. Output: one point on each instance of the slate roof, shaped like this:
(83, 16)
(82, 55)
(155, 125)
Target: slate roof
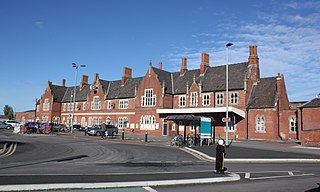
(314, 103)
(213, 80)
(58, 92)
(81, 95)
(115, 90)
(164, 76)
(263, 94)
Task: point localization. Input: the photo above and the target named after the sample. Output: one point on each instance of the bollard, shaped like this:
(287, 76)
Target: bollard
(146, 137)
(122, 135)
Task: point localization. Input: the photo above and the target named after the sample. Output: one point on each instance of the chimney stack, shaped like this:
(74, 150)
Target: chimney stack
(160, 65)
(127, 74)
(84, 81)
(204, 63)
(96, 78)
(63, 82)
(253, 57)
(183, 66)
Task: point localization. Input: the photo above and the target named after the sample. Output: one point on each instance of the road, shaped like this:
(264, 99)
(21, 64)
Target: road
(60, 159)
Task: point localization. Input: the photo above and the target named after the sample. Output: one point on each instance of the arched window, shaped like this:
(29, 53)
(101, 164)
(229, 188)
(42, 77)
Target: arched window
(260, 124)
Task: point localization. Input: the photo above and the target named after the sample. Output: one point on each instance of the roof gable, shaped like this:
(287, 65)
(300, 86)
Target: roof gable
(263, 94)
(314, 103)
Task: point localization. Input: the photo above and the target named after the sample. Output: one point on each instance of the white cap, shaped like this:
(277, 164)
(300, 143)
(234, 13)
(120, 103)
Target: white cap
(220, 142)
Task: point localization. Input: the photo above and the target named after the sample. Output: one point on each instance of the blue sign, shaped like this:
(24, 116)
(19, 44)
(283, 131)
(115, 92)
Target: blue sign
(205, 127)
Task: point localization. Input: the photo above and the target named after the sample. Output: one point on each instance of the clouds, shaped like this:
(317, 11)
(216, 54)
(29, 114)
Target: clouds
(288, 39)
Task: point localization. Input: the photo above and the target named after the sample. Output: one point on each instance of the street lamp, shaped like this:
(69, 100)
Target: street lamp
(74, 92)
(227, 94)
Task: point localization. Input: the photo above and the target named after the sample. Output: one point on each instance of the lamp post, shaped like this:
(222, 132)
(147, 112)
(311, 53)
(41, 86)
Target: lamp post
(74, 92)
(227, 93)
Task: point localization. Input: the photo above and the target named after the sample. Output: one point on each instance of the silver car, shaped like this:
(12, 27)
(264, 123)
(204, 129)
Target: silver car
(4, 125)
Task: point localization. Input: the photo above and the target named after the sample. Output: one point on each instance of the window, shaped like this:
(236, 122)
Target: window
(84, 106)
(77, 106)
(192, 126)
(182, 101)
(123, 122)
(194, 99)
(64, 107)
(293, 124)
(109, 105)
(95, 104)
(45, 119)
(260, 122)
(206, 99)
(148, 100)
(234, 98)
(181, 125)
(219, 99)
(70, 106)
(124, 104)
(46, 105)
(83, 121)
(147, 122)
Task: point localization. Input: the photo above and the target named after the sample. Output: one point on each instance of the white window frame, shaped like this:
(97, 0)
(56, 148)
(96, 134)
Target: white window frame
(84, 106)
(122, 122)
(64, 107)
(96, 103)
(70, 106)
(124, 104)
(182, 101)
(260, 124)
(83, 121)
(46, 105)
(292, 124)
(147, 122)
(219, 99)
(193, 99)
(206, 99)
(148, 99)
(234, 98)
(109, 105)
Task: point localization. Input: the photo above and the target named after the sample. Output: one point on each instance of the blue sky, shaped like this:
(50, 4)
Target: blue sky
(40, 39)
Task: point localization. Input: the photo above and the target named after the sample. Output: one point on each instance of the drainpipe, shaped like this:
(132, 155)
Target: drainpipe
(278, 109)
(247, 124)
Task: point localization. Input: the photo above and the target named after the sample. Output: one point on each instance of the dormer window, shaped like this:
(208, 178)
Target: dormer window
(124, 104)
(194, 99)
(206, 99)
(234, 98)
(219, 99)
(182, 101)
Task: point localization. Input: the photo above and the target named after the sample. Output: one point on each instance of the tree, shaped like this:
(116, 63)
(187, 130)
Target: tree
(8, 111)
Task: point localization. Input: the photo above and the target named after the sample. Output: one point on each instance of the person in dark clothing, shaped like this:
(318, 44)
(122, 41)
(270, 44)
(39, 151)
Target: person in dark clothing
(103, 130)
(220, 153)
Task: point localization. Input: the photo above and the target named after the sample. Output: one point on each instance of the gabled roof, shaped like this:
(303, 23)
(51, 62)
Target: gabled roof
(263, 94)
(164, 76)
(116, 91)
(58, 92)
(81, 95)
(314, 103)
(213, 80)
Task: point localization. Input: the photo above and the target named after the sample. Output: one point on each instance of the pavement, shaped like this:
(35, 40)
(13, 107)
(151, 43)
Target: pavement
(238, 152)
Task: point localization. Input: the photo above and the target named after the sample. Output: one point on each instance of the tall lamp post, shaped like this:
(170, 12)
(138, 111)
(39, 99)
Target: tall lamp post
(74, 91)
(227, 93)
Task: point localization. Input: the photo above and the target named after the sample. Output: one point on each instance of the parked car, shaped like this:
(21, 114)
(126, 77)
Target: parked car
(77, 127)
(30, 127)
(96, 130)
(3, 125)
(59, 127)
(13, 123)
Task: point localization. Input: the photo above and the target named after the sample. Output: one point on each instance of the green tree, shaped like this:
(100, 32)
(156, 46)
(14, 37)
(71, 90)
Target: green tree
(8, 111)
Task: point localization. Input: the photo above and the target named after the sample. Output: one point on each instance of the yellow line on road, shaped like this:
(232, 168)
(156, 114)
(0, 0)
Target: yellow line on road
(195, 155)
(10, 151)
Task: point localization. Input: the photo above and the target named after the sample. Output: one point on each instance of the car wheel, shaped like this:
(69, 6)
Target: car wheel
(98, 133)
(114, 134)
(8, 127)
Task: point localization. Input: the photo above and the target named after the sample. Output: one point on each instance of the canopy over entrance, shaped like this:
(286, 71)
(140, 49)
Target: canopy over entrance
(183, 118)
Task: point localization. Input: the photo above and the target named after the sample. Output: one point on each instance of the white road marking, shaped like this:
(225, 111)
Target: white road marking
(149, 189)
(290, 173)
(283, 176)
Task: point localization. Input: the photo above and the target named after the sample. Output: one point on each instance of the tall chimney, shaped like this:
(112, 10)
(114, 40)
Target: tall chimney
(64, 82)
(84, 81)
(204, 63)
(183, 66)
(96, 78)
(127, 74)
(253, 57)
(160, 65)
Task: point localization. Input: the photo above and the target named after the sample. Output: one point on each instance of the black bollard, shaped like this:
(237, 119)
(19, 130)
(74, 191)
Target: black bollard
(146, 137)
(122, 135)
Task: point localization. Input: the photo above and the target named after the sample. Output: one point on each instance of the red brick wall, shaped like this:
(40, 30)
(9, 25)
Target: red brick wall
(309, 126)
(24, 117)
(285, 132)
(310, 137)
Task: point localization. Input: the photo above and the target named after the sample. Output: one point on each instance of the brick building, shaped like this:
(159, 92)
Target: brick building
(258, 107)
(25, 116)
(309, 122)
